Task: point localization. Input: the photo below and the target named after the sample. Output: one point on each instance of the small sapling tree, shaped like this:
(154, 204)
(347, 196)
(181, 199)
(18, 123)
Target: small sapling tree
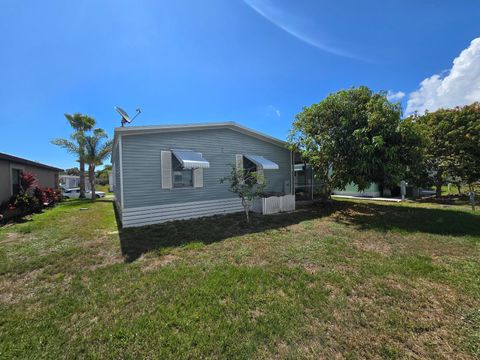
(246, 185)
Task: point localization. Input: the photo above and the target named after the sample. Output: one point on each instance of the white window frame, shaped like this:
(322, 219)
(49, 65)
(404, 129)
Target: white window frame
(175, 160)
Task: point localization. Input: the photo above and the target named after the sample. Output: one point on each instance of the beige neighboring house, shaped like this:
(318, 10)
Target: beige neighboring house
(11, 167)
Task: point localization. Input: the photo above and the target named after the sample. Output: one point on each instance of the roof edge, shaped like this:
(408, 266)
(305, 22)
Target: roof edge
(138, 130)
(13, 158)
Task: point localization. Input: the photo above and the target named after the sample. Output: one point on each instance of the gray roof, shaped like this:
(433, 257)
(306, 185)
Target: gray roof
(136, 130)
(19, 160)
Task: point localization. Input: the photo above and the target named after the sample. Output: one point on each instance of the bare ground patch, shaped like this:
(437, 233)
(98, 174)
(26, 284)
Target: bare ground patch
(151, 264)
(27, 286)
(372, 244)
(13, 238)
(423, 322)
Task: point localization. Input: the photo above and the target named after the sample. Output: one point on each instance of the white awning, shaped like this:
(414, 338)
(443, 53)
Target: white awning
(190, 159)
(299, 167)
(262, 162)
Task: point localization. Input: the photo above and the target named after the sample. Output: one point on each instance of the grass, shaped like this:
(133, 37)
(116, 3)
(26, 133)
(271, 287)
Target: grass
(454, 190)
(104, 188)
(351, 280)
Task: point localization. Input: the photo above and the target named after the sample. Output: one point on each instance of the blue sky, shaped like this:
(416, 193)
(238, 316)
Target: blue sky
(257, 62)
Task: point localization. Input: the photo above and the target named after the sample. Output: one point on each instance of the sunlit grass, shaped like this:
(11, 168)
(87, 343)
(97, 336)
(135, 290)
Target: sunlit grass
(351, 280)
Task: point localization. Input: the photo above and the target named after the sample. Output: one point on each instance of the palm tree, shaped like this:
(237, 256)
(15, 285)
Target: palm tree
(81, 123)
(96, 151)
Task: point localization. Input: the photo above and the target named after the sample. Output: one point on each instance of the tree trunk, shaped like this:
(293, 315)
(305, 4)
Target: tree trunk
(82, 178)
(246, 208)
(91, 177)
(326, 194)
(459, 187)
(472, 196)
(438, 190)
(438, 184)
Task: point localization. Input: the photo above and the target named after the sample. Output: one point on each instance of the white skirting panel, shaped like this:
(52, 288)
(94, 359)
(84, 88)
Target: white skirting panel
(149, 215)
(358, 193)
(274, 204)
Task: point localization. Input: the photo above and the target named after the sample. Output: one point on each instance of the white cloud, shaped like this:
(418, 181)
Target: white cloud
(293, 25)
(456, 87)
(273, 111)
(395, 96)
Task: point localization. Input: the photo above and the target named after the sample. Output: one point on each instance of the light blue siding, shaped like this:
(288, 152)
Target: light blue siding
(142, 169)
(117, 187)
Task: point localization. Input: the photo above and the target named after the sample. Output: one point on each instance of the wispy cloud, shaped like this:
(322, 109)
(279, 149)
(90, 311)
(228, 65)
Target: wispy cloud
(395, 96)
(287, 22)
(458, 86)
(273, 111)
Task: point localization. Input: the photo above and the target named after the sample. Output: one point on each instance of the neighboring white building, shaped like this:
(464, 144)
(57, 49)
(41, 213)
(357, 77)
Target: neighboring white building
(73, 181)
(69, 181)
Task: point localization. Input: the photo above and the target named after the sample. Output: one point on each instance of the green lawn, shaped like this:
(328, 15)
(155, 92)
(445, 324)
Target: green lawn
(454, 190)
(104, 188)
(353, 280)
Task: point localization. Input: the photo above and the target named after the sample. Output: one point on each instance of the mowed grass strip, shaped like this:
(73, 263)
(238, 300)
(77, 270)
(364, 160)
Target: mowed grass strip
(349, 280)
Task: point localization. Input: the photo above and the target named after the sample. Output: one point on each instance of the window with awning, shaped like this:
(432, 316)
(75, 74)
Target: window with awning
(182, 168)
(255, 163)
(190, 159)
(261, 162)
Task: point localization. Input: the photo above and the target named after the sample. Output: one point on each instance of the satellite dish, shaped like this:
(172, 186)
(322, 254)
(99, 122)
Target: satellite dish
(125, 118)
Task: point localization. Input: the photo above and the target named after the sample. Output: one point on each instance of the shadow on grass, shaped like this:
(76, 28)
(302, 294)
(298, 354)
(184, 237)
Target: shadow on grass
(137, 241)
(364, 216)
(382, 217)
(446, 200)
(17, 220)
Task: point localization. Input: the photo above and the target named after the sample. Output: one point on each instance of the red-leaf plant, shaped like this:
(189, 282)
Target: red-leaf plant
(27, 181)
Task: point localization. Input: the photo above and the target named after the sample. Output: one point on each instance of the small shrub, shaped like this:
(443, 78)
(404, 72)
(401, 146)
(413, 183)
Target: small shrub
(18, 206)
(40, 195)
(25, 202)
(47, 196)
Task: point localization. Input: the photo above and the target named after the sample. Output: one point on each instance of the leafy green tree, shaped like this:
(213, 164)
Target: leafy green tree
(452, 145)
(466, 137)
(102, 175)
(246, 185)
(356, 136)
(434, 128)
(81, 124)
(97, 149)
(72, 171)
(413, 152)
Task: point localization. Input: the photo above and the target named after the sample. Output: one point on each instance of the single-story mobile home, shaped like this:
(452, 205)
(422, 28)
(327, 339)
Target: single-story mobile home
(163, 173)
(11, 168)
